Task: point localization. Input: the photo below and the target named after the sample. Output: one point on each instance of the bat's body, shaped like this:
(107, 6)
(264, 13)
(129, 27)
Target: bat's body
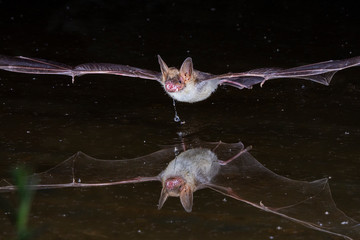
(185, 84)
(240, 177)
(192, 170)
(194, 91)
(186, 174)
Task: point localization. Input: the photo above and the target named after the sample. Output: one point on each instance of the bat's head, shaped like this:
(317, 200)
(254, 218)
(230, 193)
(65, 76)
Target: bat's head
(175, 80)
(177, 187)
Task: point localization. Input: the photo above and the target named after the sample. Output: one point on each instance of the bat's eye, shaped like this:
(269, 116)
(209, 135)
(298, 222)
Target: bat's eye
(180, 81)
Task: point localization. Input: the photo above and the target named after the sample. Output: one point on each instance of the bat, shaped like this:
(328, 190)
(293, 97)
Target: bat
(185, 84)
(225, 168)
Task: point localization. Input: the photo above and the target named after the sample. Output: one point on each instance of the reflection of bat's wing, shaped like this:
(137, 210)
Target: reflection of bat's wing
(307, 203)
(41, 66)
(224, 151)
(81, 170)
(318, 72)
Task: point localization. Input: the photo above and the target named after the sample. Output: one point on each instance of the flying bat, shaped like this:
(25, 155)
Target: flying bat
(225, 168)
(185, 84)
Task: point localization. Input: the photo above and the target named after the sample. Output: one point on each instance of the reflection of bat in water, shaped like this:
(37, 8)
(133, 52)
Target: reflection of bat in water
(186, 84)
(239, 175)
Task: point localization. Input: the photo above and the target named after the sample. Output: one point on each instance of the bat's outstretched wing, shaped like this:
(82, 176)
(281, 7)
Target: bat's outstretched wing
(41, 66)
(307, 203)
(81, 170)
(318, 72)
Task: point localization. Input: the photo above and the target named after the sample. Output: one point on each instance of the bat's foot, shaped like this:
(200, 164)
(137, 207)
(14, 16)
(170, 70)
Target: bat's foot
(217, 145)
(234, 84)
(262, 83)
(236, 156)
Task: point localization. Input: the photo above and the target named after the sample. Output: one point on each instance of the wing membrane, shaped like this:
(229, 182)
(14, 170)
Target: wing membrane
(307, 203)
(81, 170)
(322, 73)
(41, 66)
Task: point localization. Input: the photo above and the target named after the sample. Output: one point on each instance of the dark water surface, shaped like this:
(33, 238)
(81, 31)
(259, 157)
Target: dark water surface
(298, 129)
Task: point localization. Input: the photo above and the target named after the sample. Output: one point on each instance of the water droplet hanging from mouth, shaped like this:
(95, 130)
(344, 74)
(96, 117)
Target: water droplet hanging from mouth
(176, 117)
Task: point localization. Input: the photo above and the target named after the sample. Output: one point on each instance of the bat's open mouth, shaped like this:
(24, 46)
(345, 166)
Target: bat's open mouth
(173, 183)
(170, 87)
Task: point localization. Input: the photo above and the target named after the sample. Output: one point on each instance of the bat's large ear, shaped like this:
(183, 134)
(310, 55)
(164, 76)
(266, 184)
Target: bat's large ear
(164, 68)
(186, 198)
(187, 69)
(163, 196)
